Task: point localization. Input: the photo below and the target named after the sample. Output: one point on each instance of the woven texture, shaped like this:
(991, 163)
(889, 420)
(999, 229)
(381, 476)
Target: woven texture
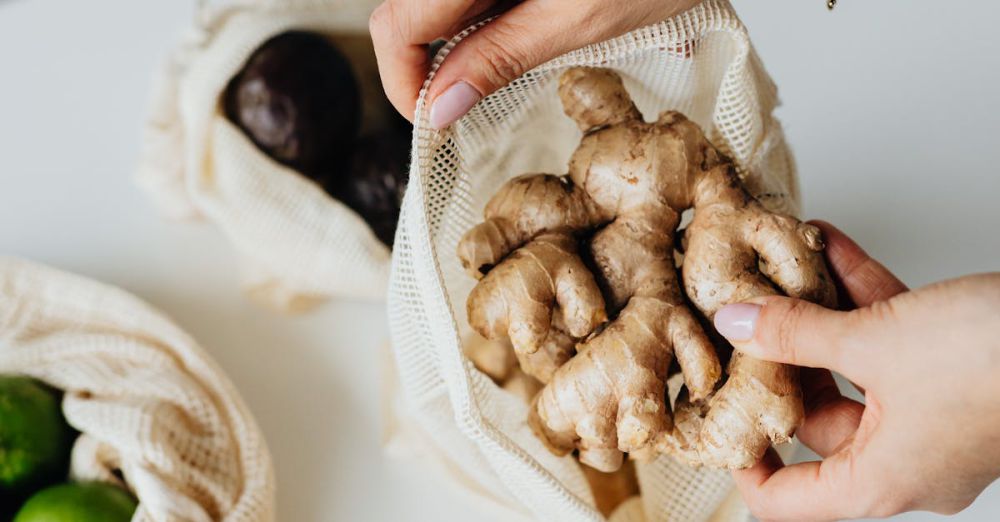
(700, 63)
(297, 245)
(147, 400)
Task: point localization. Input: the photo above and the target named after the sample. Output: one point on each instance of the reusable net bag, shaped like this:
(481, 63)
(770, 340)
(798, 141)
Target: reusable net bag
(147, 400)
(701, 63)
(297, 245)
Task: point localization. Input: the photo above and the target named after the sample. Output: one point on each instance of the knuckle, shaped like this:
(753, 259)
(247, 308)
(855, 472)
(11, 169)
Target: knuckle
(851, 266)
(500, 65)
(879, 313)
(388, 25)
(872, 282)
(786, 330)
(380, 22)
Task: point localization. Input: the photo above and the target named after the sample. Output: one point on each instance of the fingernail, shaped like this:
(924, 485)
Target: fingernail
(452, 104)
(736, 321)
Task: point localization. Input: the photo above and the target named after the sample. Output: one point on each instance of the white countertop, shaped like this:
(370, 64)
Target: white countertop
(888, 108)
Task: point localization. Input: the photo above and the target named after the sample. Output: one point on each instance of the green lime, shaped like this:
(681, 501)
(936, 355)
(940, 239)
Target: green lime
(78, 502)
(35, 440)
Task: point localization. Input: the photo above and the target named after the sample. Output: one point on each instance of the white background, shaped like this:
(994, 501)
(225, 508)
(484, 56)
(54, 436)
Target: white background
(890, 106)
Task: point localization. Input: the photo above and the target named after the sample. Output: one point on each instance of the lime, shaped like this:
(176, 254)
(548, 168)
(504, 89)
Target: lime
(35, 440)
(78, 502)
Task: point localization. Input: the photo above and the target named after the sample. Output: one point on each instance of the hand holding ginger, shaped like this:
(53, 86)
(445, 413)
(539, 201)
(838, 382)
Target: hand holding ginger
(928, 437)
(560, 255)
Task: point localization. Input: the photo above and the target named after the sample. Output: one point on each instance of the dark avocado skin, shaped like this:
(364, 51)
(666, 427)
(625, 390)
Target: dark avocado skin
(377, 181)
(297, 99)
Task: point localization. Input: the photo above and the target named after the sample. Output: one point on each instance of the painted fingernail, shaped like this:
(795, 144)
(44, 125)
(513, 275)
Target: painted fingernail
(736, 321)
(452, 104)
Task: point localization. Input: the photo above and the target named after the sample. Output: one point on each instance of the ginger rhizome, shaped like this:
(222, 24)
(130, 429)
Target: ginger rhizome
(579, 272)
(496, 359)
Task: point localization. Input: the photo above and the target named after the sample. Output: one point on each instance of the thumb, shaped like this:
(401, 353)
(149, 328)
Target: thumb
(528, 35)
(786, 330)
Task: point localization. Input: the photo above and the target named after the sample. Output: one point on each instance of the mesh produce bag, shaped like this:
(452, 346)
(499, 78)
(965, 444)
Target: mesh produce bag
(701, 63)
(147, 400)
(297, 244)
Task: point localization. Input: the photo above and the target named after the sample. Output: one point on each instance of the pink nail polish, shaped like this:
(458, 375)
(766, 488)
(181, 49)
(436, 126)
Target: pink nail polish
(736, 321)
(452, 104)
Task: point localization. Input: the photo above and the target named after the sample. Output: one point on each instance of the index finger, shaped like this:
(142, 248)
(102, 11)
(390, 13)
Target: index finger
(865, 279)
(400, 31)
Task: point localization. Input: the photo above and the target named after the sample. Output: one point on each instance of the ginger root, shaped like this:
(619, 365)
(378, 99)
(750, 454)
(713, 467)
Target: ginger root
(610, 490)
(496, 359)
(560, 255)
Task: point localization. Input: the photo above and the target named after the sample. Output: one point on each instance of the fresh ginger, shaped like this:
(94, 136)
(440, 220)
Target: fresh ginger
(621, 203)
(610, 490)
(519, 296)
(496, 359)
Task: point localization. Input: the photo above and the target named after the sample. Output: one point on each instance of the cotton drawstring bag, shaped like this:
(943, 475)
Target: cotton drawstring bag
(296, 244)
(148, 401)
(701, 63)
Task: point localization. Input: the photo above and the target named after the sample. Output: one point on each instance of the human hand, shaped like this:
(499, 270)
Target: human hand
(928, 362)
(525, 34)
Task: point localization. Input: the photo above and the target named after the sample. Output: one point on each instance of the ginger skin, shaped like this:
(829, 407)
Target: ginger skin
(630, 181)
(496, 359)
(737, 250)
(612, 489)
(543, 297)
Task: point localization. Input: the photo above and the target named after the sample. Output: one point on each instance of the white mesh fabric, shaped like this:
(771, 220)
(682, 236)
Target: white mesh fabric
(297, 244)
(146, 398)
(701, 63)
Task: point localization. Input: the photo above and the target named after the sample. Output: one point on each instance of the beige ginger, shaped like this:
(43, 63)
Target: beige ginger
(628, 183)
(495, 358)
